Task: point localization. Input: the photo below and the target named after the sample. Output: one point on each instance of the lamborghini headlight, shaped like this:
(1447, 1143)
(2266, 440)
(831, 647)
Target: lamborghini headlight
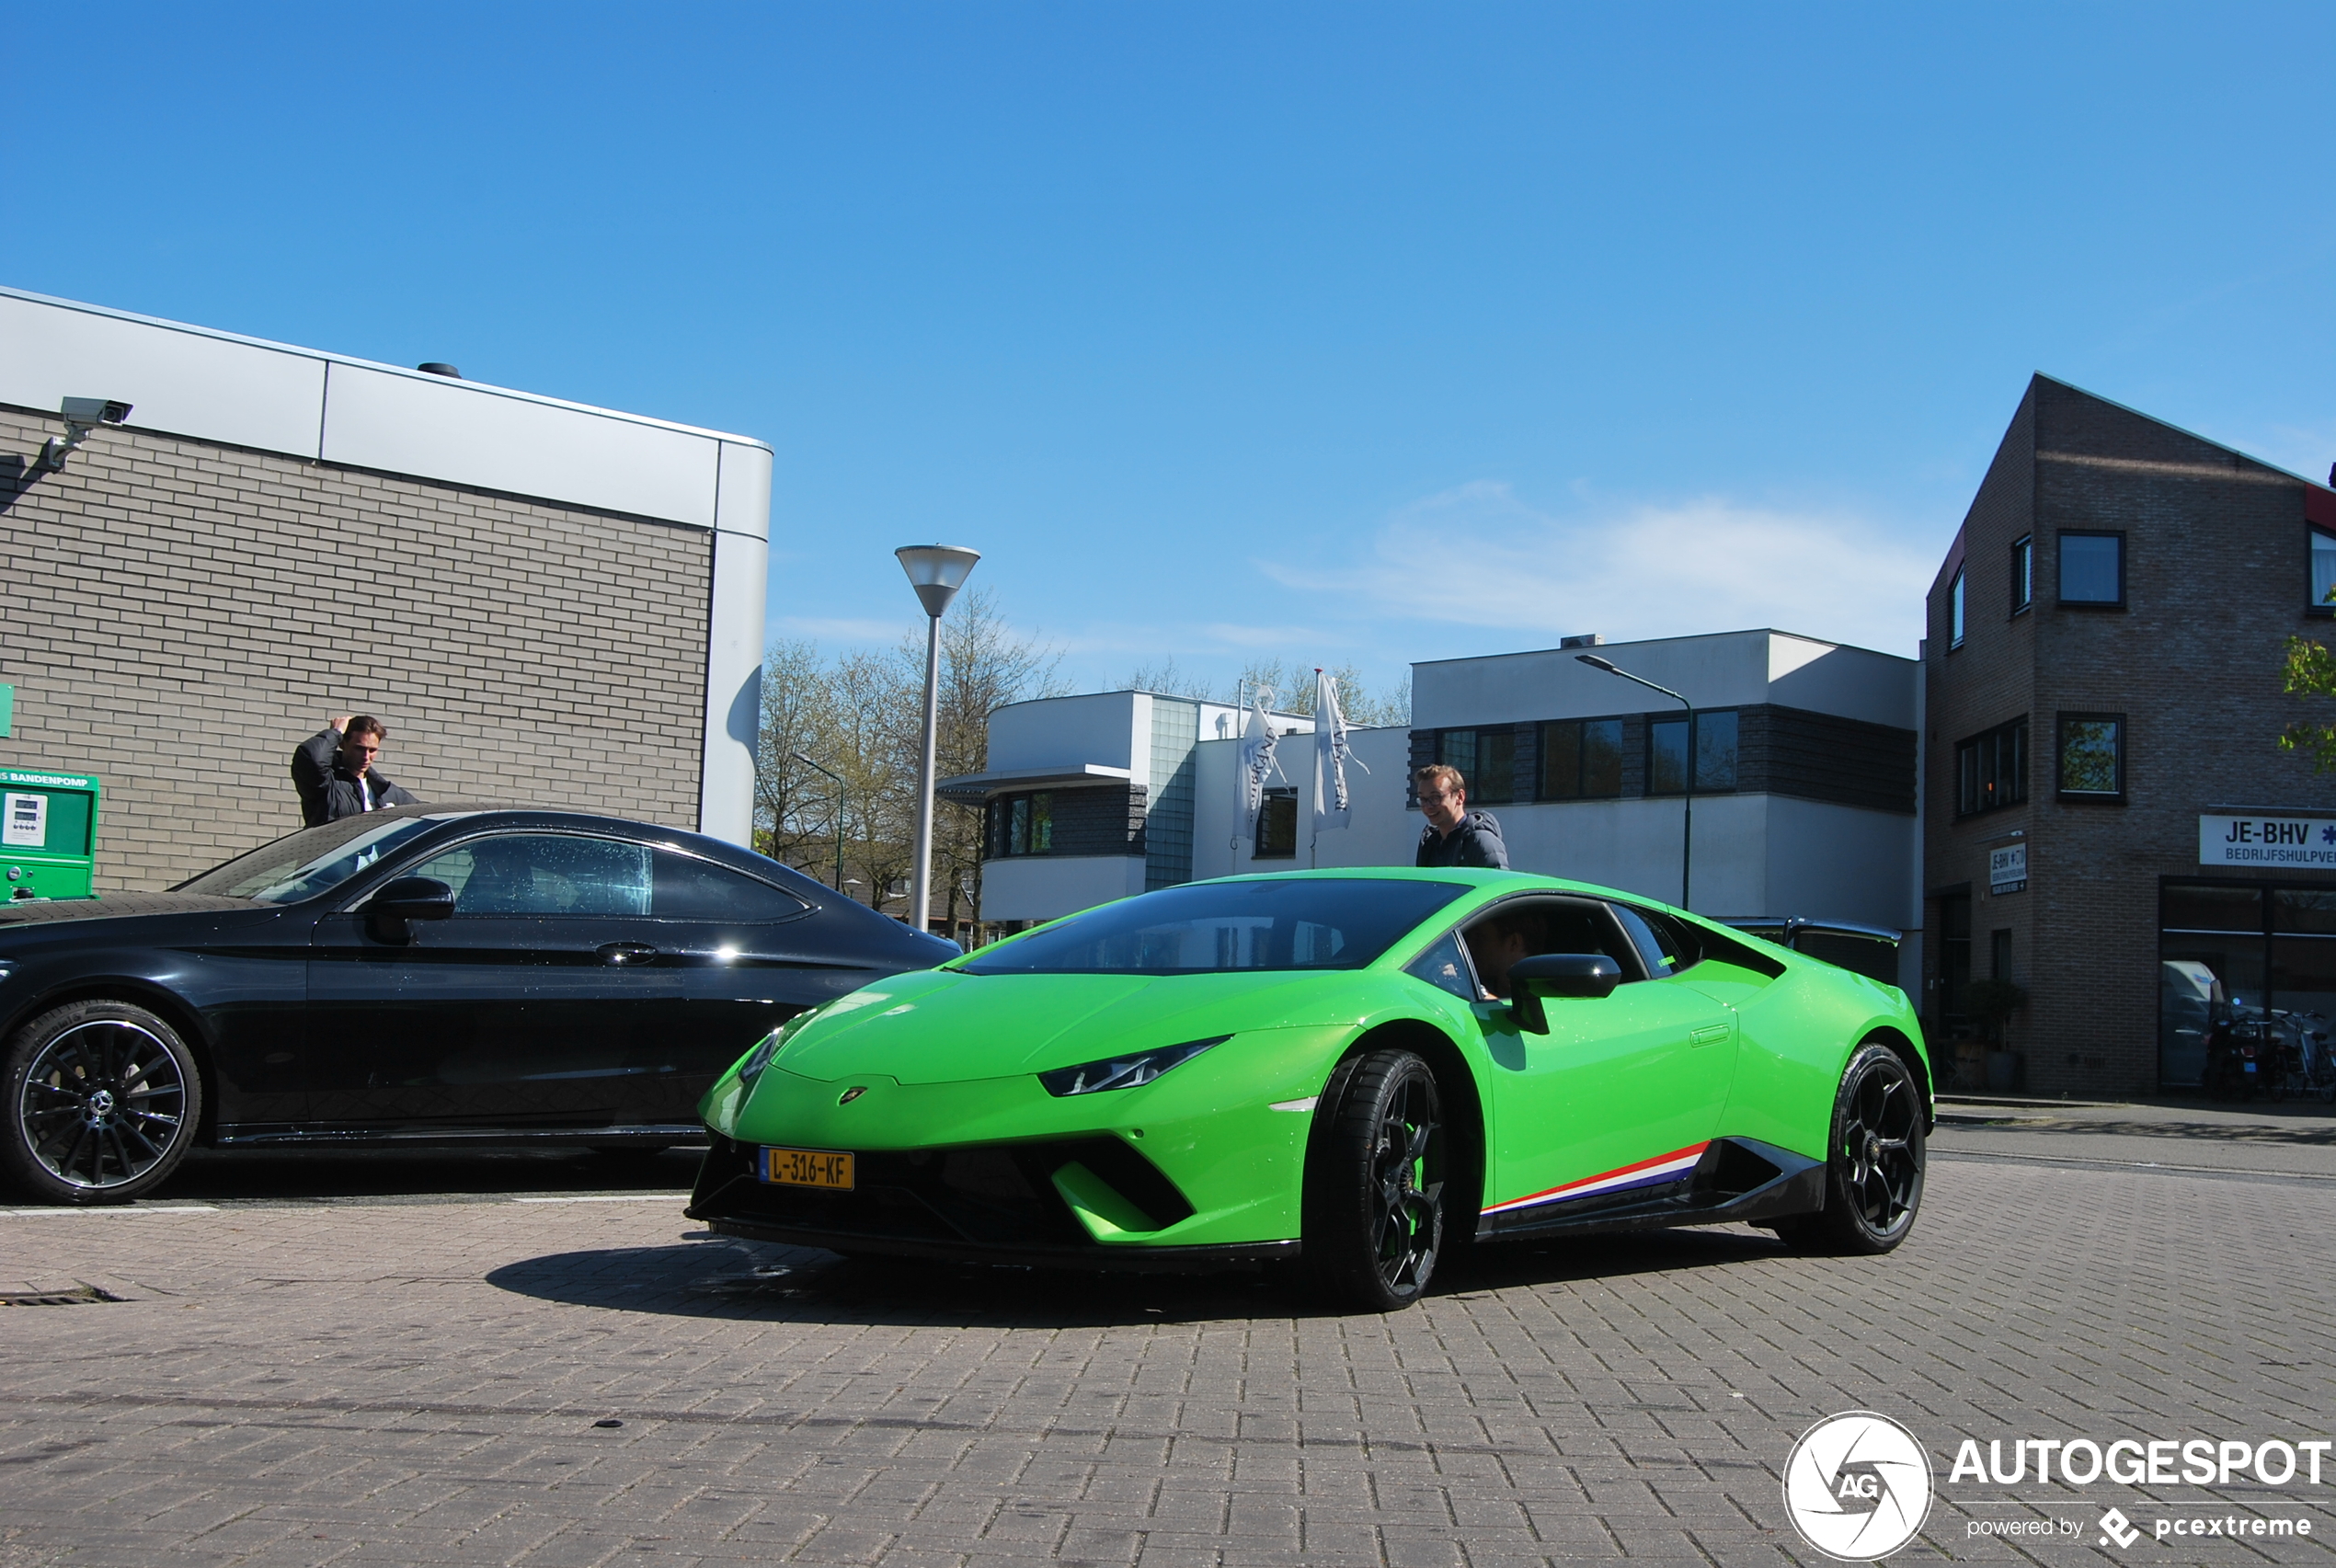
(771, 1044)
(1125, 1072)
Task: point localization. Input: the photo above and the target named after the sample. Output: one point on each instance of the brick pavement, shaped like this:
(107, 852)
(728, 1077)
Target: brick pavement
(381, 1382)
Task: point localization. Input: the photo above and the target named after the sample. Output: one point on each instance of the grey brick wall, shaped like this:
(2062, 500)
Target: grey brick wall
(179, 616)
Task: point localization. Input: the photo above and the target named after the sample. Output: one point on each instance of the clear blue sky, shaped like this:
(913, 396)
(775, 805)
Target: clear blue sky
(1329, 332)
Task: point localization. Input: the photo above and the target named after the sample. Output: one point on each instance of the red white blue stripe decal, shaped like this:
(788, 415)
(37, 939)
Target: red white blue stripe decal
(1645, 1173)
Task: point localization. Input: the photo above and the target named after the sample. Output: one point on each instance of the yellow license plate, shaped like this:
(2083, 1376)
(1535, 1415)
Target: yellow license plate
(808, 1168)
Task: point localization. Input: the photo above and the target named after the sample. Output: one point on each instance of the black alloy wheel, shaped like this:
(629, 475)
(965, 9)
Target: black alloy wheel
(1873, 1166)
(1375, 1191)
(102, 1100)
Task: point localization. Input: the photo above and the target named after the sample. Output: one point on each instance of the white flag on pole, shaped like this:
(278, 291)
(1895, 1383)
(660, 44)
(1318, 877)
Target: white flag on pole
(1256, 761)
(1332, 753)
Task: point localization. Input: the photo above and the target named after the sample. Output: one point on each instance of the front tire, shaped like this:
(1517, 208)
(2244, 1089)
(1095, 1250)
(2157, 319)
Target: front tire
(102, 1101)
(1375, 1188)
(1874, 1162)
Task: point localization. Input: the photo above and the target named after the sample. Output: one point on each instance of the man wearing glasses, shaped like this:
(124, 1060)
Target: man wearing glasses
(334, 772)
(1454, 834)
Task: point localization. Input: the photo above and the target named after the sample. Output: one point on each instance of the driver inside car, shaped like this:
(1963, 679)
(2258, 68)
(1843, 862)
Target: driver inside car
(1497, 944)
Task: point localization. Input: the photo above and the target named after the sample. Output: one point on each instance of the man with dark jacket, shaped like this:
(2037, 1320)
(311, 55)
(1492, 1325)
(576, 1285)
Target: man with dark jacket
(333, 770)
(1454, 834)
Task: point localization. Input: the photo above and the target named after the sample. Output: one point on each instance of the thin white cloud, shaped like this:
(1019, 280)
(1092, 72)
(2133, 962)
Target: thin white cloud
(1278, 638)
(1479, 557)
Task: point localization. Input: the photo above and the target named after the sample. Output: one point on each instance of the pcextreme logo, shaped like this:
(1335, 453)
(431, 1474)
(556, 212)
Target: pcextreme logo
(1857, 1486)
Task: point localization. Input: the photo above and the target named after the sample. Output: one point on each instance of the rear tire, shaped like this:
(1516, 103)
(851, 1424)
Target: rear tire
(102, 1100)
(1374, 1220)
(1873, 1163)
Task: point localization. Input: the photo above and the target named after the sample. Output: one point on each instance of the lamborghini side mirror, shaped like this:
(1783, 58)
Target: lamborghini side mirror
(1557, 974)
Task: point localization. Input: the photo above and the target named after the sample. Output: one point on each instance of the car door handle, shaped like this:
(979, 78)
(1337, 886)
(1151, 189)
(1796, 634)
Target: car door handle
(1710, 1035)
(625, 953)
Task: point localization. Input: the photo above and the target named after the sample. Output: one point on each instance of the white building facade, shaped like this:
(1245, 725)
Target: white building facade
(1802, 756)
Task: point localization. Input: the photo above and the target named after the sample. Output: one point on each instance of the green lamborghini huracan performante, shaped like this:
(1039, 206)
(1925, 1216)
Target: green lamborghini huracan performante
(1350, 1071)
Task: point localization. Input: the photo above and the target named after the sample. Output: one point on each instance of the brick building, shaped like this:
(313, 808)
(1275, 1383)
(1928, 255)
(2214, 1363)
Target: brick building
(2104, 664)
(544, 603)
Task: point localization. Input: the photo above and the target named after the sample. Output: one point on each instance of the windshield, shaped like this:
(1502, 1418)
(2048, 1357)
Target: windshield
(1210, 927)
(311, 861)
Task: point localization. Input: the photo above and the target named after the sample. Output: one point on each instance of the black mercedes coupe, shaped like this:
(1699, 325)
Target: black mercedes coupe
(422, 975)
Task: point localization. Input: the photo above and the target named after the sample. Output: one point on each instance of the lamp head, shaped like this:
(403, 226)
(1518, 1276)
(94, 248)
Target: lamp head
(1596, 663)
(937, 572)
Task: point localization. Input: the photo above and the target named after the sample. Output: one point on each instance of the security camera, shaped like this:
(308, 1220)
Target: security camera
(82, 416)
(94, 411)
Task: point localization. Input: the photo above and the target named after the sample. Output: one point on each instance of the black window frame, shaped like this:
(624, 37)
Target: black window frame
(2023, 574)
(1542, 790)
(1275, 796)
(2060, 575)
(1474, 778)
(1001, 832)
(1958, 608)
(1972, 757)
(2060, 723)
(2312, 531)
(1694, 745)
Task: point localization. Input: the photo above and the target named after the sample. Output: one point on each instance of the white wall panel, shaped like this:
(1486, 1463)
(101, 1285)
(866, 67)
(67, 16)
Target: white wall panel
(431, 427)
(733, 688)
(744, 504)
(1043, 888)
(178, 381)
(1064, 732)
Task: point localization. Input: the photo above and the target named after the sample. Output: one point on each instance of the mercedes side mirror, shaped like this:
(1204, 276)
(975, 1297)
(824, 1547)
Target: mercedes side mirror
(1557, 974)
(404, 899)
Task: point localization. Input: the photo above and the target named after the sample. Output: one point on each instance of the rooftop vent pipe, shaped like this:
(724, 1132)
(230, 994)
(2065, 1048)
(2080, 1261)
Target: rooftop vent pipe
(440, 367)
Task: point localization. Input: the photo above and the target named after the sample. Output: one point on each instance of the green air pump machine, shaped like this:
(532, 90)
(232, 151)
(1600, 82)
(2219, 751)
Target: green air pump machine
(48, 833)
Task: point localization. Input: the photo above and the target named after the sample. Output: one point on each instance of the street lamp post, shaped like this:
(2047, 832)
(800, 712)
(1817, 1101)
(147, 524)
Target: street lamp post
(937, 572)
(1687, 841)
(838, 818)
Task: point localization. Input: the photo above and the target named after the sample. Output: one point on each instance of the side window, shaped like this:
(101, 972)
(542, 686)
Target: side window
(1525, 927)
(687, 888)
(1277, 826)
(544, 873)
(1656, 939)
(1444, 967)
(2093, 568)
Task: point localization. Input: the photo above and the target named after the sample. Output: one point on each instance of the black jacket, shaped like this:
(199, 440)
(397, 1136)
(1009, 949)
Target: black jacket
(329, 791)
(1476, 842)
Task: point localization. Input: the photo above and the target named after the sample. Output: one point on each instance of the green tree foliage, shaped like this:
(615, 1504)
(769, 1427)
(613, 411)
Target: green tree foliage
(2311, 672)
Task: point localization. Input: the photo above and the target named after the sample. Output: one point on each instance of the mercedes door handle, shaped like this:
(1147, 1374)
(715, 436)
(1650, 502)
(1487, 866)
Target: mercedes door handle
(625, 953)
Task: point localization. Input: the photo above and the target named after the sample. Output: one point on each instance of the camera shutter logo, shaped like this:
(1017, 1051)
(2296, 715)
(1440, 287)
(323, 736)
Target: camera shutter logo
(1857, 1486)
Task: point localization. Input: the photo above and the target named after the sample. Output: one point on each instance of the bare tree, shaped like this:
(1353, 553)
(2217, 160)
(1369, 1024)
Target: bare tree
(795, 807)
(879, 713)
(984, 666)
(1168, 681)
(1293, 687)
(861, 718)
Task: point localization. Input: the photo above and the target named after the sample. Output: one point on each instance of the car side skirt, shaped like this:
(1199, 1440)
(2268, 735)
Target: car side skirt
(1732, 1180)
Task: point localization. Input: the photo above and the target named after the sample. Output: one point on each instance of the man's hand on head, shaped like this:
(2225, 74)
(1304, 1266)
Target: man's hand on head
(340, 726)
